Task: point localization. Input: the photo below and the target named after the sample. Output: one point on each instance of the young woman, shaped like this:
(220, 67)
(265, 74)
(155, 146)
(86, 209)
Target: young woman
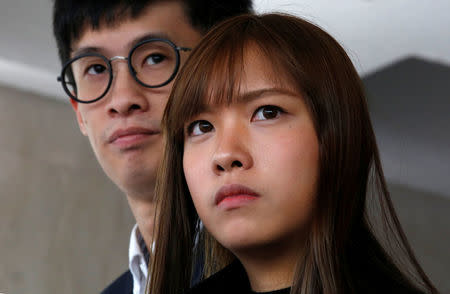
(270, 146)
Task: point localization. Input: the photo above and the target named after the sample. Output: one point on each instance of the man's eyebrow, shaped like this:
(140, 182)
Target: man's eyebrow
(130, 44)
(87, 49)
(139, 39)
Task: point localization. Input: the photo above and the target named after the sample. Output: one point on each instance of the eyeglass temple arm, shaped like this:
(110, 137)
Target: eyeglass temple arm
(184, 49)
(59, 79)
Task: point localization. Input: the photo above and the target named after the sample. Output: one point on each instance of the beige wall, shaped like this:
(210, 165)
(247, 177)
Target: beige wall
(64, 227)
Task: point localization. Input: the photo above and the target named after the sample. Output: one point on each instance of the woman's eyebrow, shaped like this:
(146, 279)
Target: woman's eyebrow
(252, 95)
(260, 93)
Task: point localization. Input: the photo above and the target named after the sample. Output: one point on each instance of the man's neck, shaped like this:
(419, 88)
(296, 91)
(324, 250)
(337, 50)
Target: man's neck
(144, 210)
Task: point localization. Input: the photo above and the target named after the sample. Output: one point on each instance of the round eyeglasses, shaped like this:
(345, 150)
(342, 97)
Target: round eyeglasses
(153, 63)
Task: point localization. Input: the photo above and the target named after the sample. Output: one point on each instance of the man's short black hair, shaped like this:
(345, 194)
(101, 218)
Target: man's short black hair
(70, 17)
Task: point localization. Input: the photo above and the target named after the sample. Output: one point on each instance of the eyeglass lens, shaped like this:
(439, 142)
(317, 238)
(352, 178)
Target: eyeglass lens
(153, 63)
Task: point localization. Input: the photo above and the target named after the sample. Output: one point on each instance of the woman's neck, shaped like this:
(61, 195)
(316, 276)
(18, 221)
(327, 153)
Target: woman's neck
(270, 269)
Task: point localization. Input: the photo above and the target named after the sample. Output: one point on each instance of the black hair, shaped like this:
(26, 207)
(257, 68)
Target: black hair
(70, 17)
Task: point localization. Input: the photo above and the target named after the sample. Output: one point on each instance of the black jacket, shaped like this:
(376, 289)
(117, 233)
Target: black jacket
(231, 280)
(122, 285)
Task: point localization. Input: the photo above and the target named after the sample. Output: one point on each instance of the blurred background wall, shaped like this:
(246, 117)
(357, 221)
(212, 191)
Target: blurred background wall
(410, 110)
(64, 227)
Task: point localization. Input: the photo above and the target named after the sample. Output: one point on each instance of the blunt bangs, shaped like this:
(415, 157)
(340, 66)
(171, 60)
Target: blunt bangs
(213, 73)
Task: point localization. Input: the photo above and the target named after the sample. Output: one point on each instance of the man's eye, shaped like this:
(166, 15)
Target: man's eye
(96, 69)
(155, 59)
(267, 112)
(199, 127)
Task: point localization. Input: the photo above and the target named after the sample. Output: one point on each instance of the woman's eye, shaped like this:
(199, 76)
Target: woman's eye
(267, 112)
(155, 59)
(96, 69)
(199, 127)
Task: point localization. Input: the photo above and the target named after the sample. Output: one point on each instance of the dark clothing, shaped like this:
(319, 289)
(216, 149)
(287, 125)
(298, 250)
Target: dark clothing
(231, 280)
(122, 285)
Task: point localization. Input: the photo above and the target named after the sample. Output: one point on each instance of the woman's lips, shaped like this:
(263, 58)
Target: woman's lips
(234, 195)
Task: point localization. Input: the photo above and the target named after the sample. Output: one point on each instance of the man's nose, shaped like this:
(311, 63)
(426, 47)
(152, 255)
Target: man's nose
(126, 95)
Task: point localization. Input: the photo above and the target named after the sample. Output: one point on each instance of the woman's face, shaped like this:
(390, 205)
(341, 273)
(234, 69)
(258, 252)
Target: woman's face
(252, 166)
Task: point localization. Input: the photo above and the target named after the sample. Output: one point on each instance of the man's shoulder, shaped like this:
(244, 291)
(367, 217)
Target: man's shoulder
(121, 285)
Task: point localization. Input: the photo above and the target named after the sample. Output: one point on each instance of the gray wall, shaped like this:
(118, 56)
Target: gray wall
(64, 227)
(425, 218)
(409, 106)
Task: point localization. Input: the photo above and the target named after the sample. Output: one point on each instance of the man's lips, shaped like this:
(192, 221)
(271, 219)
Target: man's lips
(122, 134)
(234, 191)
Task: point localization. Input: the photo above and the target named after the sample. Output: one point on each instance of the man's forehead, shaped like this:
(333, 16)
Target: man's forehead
(90, 43)
(165, 20)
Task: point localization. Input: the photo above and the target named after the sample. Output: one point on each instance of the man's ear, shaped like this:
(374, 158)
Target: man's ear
(79, 117)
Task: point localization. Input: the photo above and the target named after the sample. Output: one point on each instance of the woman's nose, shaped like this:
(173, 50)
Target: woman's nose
(232, 151)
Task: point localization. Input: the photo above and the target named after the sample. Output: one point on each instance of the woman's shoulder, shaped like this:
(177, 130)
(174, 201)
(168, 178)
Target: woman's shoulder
(231, 279)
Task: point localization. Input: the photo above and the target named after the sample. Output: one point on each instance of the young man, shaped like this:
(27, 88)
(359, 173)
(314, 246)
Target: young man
(119, 60)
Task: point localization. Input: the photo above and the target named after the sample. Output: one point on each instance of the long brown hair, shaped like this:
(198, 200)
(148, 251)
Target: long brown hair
(346, 250)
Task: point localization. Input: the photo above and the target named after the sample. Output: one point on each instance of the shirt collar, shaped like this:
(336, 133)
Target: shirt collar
(137, 261)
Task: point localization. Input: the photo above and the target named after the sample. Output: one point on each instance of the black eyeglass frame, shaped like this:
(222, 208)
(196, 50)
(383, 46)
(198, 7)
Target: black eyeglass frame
(133, 73)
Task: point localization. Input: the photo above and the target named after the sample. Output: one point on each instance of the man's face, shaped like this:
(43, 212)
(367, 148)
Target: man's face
(124, 126)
